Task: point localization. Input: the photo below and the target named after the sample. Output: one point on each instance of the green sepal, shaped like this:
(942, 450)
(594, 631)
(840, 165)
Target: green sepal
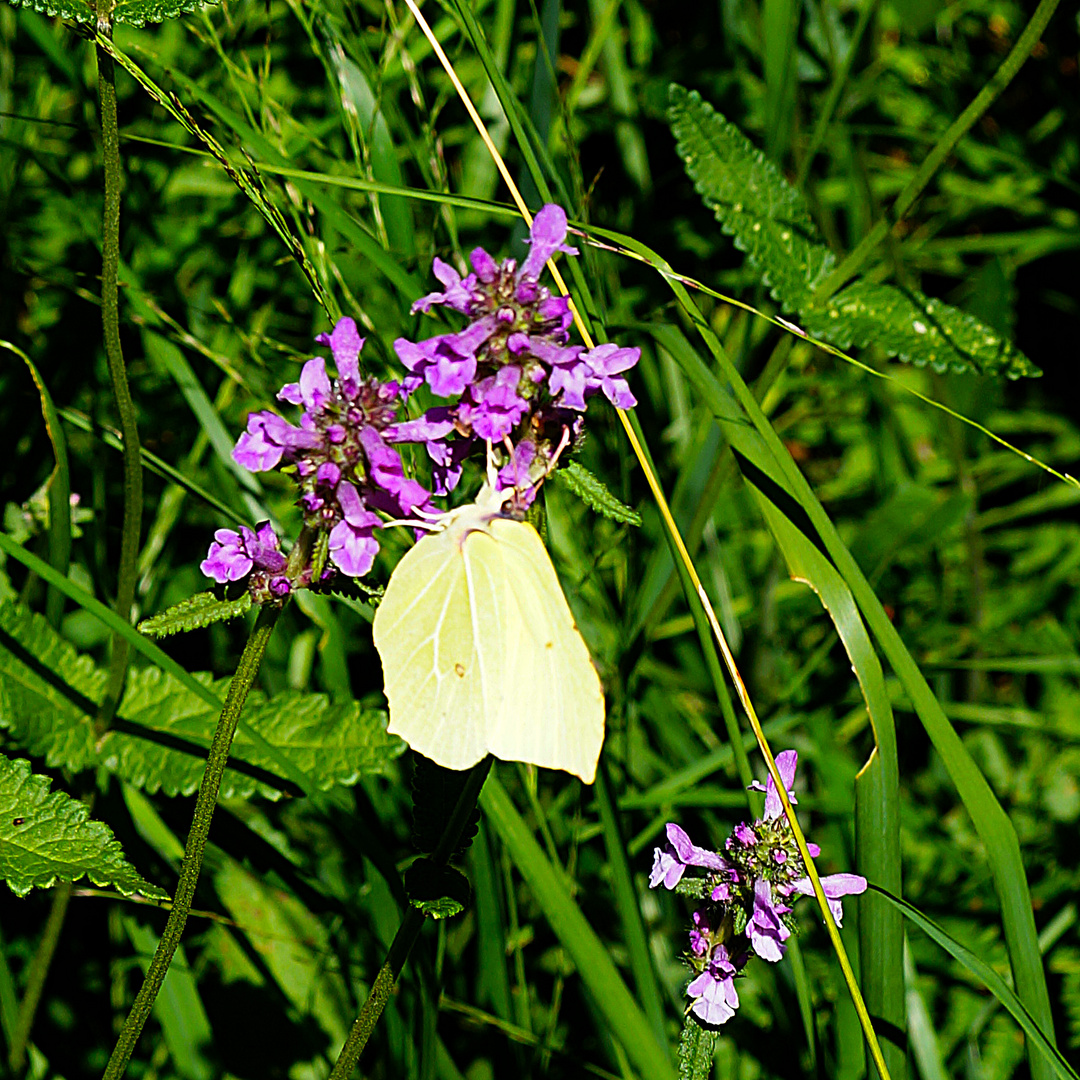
(47, 836)
(697, 1044)
(696, 888)
(194, 613)
(592, 492)
(438, 891)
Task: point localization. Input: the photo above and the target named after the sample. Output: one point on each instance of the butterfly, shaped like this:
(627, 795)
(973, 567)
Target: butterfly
(479, 649)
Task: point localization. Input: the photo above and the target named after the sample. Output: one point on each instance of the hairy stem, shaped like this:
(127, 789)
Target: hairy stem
(216, 761)
(945, 146)
(110, 318)
(408, 931)
(39, 971)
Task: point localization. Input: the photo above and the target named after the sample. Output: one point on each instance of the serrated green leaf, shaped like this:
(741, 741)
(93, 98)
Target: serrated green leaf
(696, 1047)
(592, 492)
(911, 326)
(49, 693)
(46, 837)
(438, 891)
(769, 219)
(129, 12)
(755, 205)
(141, 12)
(194, 613)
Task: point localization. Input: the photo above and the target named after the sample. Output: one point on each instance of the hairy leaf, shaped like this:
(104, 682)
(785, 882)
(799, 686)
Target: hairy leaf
(755, 205)
(914, 327)
(49, 693)
(769, 220)
(696, 1047)
(129, 12)
(592, 492)
(46, 837)
(194, 613)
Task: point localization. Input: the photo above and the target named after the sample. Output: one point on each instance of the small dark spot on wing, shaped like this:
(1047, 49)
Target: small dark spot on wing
(459, 670)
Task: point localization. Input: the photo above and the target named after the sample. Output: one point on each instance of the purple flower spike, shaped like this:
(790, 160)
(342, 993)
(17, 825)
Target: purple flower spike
(457, 294)
(345, 343)
(670, 861)
(834, 886)
(545, 238)
(352, 547)
(785, 766)
(716, 998)
(766, 930)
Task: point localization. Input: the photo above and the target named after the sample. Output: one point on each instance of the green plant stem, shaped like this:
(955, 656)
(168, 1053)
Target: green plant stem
(408, 931)
(39, 971)
(216, 761)
(945, 146)
(110, 318)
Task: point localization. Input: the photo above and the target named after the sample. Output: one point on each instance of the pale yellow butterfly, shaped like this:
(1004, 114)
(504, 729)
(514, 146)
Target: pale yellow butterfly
(479, 650)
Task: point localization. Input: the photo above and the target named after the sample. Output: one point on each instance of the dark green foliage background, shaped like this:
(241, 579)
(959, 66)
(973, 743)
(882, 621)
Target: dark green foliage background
(975, 552)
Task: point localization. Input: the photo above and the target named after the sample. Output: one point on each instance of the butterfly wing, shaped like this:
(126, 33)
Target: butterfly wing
(440, 633)
(553, 710)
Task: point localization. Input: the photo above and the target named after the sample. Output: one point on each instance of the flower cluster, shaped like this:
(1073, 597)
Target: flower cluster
(515, 386)
(747, 893)
(517, 381)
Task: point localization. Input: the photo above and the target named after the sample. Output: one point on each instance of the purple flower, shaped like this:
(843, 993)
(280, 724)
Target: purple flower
(766, 929)
(313, 389)
(352, 547)
(493, 406)
(670, 861)
(545, 238)
(714, 993)
(267, 439)
(605, 362)
(786, 761)
(834, 886)
(392, 490)
(457, 294)
(447, 362)
(345, 344)
(233, 555)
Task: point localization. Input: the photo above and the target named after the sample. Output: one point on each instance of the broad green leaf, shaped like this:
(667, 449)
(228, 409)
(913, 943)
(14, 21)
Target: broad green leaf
(194, 613)
(590, 955)
(911, 326)
(592, 492)
(755, 205)
(49, 693)
(47, 836)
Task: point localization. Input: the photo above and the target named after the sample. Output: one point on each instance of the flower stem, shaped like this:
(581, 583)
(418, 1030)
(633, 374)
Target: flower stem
(216, 761)
(110, 318)
(408, 931)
